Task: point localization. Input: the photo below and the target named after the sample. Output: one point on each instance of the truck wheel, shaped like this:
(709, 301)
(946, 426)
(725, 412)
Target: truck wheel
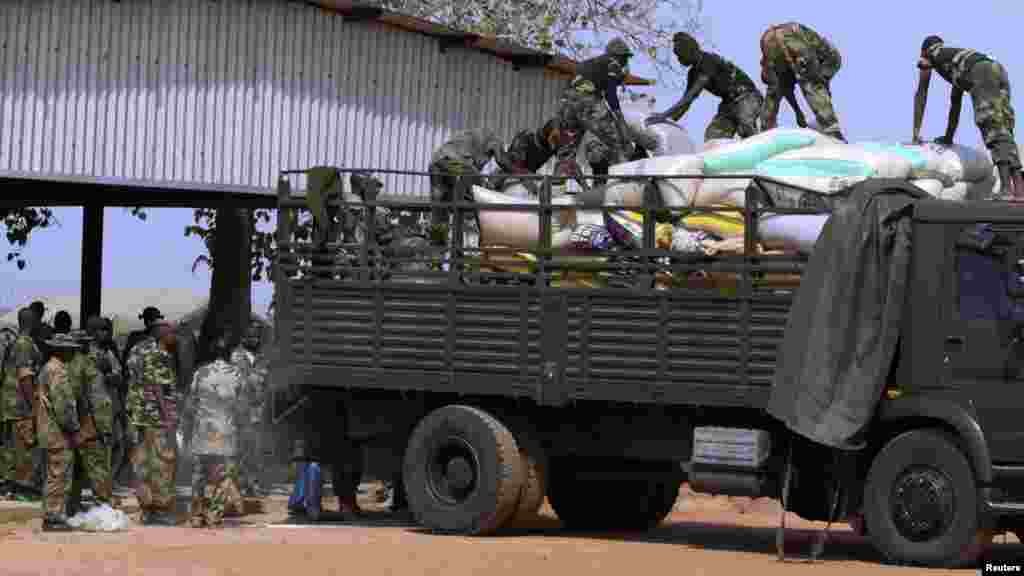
(535, 471)
(462, 471)
(921, 502)
(590, 505)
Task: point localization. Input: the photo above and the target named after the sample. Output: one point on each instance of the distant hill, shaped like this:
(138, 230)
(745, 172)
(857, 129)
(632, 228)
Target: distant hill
(5, 310)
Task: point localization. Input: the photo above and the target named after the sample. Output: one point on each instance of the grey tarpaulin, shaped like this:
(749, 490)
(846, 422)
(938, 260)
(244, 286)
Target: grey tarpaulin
(844, 323)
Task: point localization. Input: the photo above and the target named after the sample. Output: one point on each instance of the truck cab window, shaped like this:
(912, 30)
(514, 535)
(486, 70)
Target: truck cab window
(982, 287)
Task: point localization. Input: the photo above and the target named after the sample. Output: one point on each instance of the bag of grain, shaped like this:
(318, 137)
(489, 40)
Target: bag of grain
(510, 228)
(675, 192)
(961, 163)
(791, 231)
(743, 155)
(838, 159)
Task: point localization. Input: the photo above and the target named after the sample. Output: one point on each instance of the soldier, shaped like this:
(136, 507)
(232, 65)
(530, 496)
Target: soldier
(43, 330)
(459, 162)
(60, 431)
(591, 104)
(741, 101)
(152, 412)
(793, 53)
(252, 366)
(217, 410)
(149, 316)
(20, 365)
(987, 82)
(98, 375)
(62, 322)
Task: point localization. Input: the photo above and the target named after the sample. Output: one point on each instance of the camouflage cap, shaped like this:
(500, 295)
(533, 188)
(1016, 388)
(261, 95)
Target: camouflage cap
(931, 41)
(618, 47)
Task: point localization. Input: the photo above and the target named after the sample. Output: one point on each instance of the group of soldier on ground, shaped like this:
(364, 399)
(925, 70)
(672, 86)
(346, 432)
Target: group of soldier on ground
(792, 54)
(71, 397)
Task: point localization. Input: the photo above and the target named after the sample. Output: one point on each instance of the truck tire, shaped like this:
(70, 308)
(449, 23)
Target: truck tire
(535, 472)
(600, 505)
(463, 472)
(921, 503)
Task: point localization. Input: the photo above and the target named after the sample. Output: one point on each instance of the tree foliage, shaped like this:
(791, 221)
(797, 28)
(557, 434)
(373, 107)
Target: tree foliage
(574, 28)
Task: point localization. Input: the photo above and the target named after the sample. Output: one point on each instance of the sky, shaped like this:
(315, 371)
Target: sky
(872, 94)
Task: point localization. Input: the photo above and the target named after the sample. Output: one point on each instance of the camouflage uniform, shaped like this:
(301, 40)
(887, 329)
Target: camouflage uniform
(216, 405)
(96, 420)
(589, 104)
(253, 371)
(154, 457)
(18, 424)
(987, 83)
(460, 159)
(531, 149)
(793, 53)
(740, 109)
(58, 419)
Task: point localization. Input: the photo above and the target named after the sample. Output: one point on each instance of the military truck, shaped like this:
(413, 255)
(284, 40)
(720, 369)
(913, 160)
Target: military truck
(490, 388)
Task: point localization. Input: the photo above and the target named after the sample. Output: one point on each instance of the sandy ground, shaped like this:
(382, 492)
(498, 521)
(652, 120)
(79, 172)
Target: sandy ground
(704, 535)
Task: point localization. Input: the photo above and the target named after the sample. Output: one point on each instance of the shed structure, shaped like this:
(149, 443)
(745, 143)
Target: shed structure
(188, 103)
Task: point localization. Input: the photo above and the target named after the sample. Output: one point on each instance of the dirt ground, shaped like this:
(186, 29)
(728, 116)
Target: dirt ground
(704, 535)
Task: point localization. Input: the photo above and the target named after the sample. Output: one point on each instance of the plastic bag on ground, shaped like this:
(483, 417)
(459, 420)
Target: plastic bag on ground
(743, 155)
(100, 518)
(791, 231)
(675, 192)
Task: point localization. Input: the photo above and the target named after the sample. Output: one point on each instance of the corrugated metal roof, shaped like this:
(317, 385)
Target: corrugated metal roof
(231, 92)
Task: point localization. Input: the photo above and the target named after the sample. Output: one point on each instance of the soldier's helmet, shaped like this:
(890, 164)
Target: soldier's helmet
(931, 41)
(618, 47)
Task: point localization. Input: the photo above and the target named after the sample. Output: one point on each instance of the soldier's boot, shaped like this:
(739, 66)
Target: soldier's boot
(56, 523)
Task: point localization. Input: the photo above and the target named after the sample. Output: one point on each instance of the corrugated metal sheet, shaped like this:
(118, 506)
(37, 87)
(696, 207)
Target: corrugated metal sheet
(230, 92)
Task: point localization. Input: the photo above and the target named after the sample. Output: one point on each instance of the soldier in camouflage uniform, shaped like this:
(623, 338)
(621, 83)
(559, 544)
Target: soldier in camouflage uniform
(252, 366)
(98, 375)
(59, 428)
(20, 364)
(591, 104)
(152, 405)
(459, 162)
(794, 54)
(741, 104)
(987, 82)
(218, 410)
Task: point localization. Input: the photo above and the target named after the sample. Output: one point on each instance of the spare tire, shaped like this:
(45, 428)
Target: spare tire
(463, 472)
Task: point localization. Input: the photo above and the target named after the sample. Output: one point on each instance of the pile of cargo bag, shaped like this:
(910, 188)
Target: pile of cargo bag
(804, 162)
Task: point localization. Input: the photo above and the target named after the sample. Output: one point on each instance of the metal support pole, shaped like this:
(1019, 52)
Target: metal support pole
(90, 302)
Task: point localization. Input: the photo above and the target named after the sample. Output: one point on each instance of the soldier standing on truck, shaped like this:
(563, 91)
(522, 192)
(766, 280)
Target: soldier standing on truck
(20, 365)
(91, 374)
(458, 162)
(741, 104)
(591, 104)
(794, 54)
(986, 81)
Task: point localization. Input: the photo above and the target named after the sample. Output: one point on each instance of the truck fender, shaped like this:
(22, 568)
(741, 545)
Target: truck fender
(948, 412)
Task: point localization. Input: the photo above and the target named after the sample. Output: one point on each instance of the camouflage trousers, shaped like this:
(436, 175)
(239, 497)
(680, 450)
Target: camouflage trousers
(154, 462)
(786, 59)
(92, 464)
(582, 109)
(214, 490)
(993, 111)
(16, 453)
(250, 459)
(60, 461)
(737, 117)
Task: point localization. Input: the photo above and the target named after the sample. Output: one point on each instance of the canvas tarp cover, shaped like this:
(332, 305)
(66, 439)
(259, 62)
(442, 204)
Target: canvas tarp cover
(844, 323)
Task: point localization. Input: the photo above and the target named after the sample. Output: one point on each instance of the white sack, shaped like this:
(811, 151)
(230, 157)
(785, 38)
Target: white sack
(716, 143)
(510, 228)
(961, 163)
(930, 185)
(884, 163)
(714, 191)
(517, 190)
(672, 138)
(676, 193)
(743, 155)
(100, 518)
(791, 231)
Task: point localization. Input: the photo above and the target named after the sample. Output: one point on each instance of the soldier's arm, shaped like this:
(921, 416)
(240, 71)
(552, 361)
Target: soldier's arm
(25, 369)
(693, 90)
(956, 100)
(921, 100)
